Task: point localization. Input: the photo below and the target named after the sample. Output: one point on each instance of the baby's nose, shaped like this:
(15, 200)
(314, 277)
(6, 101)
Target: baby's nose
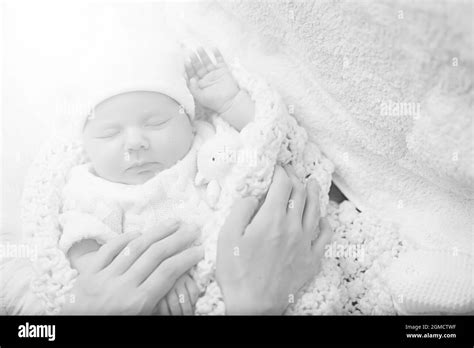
(136, 140)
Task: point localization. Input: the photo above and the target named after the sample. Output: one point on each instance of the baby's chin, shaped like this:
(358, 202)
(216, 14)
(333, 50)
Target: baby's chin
(140, 178)
(142, 173)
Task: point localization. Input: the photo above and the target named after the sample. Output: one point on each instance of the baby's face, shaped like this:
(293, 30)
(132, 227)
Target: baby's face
(135, 135)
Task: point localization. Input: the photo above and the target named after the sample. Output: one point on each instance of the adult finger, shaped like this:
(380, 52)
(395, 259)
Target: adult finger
(107, 252)
(165, 275)
(279, 192)
(297, 199)
(239, 217)
(205, 59)
(200, 69)
(139, 245)
(323, 239)
(312, 211)
(160, 251)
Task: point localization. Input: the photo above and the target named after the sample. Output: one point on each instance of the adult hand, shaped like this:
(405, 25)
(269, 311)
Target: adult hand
(131, 273)
(262, 262)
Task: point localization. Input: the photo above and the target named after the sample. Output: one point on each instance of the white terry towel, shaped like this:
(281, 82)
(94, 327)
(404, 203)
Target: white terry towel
(385, 89)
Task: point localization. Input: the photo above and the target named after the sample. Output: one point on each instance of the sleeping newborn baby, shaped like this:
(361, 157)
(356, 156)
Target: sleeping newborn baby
(131, 139)
(149, 159)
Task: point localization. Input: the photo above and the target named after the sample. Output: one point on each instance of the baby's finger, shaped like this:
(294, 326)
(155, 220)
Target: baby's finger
(193, 290)
(205, 59)
(184, 297)
(219, 58)
(200, 69)
(163, 308)
(190, 72)
(173, 302)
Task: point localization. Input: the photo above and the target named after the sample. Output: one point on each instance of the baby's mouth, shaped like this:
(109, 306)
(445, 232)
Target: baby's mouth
(139, 167)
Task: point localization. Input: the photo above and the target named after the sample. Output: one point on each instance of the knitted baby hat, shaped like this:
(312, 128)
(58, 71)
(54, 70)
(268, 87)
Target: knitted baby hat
(128, 52)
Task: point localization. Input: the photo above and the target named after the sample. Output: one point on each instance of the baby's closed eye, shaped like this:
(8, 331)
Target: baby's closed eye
(157, 122)
(108, 133)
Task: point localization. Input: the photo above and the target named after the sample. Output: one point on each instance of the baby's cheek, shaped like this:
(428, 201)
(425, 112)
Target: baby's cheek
(173, 144)
(108, 160)
(166, 148)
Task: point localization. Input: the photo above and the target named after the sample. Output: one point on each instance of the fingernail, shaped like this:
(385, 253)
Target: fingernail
(254, 201)
(172, 222)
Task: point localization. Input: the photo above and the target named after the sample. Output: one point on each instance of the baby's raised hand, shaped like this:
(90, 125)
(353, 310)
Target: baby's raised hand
(212, 85)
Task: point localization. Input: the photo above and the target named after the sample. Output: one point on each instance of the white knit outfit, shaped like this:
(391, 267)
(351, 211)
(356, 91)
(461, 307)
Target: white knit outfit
(95, 208)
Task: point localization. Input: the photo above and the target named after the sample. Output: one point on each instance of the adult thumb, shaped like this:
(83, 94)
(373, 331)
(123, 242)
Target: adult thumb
(239, 217)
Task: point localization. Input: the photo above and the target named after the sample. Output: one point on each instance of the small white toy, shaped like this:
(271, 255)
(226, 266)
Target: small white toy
(215, 160)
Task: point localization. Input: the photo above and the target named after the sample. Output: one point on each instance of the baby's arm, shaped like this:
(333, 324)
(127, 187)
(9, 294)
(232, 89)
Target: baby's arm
(216, 89)
(82, 233)
(240, 112)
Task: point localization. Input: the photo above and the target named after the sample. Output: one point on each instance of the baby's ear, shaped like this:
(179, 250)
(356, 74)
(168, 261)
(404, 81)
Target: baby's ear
(83, 153)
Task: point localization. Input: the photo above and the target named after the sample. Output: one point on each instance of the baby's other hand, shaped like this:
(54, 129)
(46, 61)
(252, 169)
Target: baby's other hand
(212, 85)
(181, 299)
